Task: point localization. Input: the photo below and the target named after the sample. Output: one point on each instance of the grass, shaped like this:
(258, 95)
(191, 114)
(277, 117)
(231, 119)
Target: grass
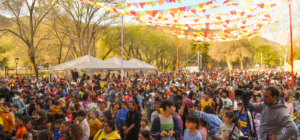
(25, 73)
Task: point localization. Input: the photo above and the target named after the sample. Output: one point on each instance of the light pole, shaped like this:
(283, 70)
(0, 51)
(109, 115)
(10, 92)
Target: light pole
(261, 62)
(16, 60)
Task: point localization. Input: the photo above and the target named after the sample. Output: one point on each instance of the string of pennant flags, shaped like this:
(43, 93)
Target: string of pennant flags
(232, 25)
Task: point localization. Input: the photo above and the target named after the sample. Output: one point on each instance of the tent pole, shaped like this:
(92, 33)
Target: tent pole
(291, 35)
(122, 72)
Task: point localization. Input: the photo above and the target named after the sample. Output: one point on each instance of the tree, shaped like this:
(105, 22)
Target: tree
(27, 25)
(224, 50)
(83, 23)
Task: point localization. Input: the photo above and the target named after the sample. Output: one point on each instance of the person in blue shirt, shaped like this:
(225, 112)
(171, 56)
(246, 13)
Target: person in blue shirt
(121, 116)
(46, 106)
(139, 97)
(243, 119)
(191, 124)
(213, 120)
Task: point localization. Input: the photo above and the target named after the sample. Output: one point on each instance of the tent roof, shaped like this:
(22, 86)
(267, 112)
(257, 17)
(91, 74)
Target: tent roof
(116, 62)
(86, 63)
(142, 64)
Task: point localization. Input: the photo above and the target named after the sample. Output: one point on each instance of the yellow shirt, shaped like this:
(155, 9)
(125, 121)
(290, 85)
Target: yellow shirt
(203, 104)
(94, 127)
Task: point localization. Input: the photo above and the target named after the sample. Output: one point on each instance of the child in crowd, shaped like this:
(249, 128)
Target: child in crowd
(55, 108)
(94, 124)
(191, 124)
(225, 129)
(17, 126)
(8, 122)
(144, 123)
(208, 115)
(161, 127)
(31, 128)
(121, 116)
(202, 129)
(156, 112)
(14, 109)
(61, 115)
(57, 126)
(124, 126)
(117, 107)
(150, 106)
(22, 122)
(27, 136)
(81, 117)
(70, 113)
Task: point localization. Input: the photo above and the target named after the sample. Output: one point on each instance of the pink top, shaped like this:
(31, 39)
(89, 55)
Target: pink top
(181, 124)
(289, 108)
(203, 132)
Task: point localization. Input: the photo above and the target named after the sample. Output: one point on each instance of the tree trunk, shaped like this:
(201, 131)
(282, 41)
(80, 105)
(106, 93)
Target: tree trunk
(242, 65)
(229, 63)
(33, 63)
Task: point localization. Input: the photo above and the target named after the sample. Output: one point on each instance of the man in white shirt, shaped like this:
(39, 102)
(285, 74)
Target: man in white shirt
(226, 101)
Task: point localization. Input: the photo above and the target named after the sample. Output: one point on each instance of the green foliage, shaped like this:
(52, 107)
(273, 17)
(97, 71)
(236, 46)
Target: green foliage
(270, 55)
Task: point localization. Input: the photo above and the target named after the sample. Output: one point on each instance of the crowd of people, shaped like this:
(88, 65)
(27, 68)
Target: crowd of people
(166, 106)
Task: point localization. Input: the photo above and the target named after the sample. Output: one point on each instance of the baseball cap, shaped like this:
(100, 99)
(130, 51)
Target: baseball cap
(102, 101)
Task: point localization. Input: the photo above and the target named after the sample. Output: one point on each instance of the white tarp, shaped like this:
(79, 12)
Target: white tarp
(86, 63)
(116, 62)
(144, 66)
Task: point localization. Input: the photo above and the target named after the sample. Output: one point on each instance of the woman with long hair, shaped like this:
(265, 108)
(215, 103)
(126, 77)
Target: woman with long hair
(45, 135)
(50, 121)
(75, 132)
(108, 132)
(38, 117)
(218, 106)
(137, 106)
(85, 101)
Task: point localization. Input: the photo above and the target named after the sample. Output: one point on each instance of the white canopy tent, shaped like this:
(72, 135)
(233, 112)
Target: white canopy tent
(86, 63)
(144, 66)
(116, 62)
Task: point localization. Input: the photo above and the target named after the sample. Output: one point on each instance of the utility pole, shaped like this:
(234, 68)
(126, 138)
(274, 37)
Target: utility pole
(261, 61)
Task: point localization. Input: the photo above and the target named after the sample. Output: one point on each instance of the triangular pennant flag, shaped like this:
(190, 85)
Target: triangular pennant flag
(244, 21)
(136, 5)
(219, 18)
(175, 10)
(155, 12)
(193, 6)
(154, 3)
(167, 1)
(142, 13)
(172, 13)
(194, 11)
(166, 11)
(142, 4)
(188, 8)
(173, 1)
(207, 16)
(203, 10)
(149, 3)
(132, 12)
(233, 12)
(182, 8)
(179, 1)
(160, 2)
(129, 4)
(227, 21)
(119, 4)
(200, 5)
(261, 5)
(242, 13)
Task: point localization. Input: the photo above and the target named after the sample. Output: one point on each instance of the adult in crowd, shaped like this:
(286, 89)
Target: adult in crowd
(133, 120)
(274, 116)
